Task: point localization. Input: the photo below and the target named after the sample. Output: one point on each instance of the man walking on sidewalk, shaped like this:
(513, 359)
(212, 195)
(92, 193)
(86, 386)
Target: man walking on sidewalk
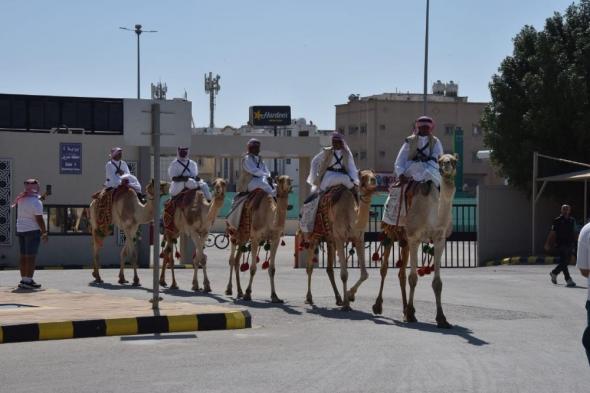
(564, 227)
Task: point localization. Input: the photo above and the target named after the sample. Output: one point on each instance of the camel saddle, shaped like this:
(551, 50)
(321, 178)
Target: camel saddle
(322, 227)
(252, 202)
(182, 200)
(105, 199)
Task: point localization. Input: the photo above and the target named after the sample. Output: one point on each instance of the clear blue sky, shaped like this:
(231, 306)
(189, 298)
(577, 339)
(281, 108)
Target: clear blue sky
(310, 54)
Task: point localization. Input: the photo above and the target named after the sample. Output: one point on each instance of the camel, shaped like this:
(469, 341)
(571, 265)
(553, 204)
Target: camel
(266, 225)
(195, 221)
(428, 220)
(128, 213)
(348, 218)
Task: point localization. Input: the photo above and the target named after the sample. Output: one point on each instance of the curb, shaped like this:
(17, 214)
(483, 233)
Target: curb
(523, 261)
(81, 267)
(124, 326)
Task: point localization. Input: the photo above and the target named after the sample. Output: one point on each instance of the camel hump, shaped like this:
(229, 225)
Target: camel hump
(255, 198)
(335, 193)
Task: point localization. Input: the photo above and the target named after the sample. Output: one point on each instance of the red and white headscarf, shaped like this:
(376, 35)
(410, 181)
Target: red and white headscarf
(336, 136)
(424, 121)
(114, 152)
(31, 190)
(252, 142)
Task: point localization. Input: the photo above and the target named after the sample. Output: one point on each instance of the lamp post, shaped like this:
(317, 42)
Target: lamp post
(426, 59)
(138, 31)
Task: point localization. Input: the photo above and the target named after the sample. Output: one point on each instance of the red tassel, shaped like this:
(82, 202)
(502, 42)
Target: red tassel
(381, 237)
(421, 272)
(426, 269)
(265, 265)
(376, 257)
(194, 254)
(283, 243)
(257, 259)
(314, 260)
(177, 255)
(162, 255)
(398, 263)
(244, 266)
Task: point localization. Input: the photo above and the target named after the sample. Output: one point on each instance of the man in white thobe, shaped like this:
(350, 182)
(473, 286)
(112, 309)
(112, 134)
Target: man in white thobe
(117, 172)
(184, 174)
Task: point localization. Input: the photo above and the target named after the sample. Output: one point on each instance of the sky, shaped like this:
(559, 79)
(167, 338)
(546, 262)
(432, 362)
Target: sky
(309, 54)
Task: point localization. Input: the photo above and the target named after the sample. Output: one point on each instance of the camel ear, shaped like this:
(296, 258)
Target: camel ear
(456, 156)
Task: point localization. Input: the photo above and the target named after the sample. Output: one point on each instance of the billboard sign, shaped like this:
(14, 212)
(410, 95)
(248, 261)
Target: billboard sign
(270, 115)
(70, 158)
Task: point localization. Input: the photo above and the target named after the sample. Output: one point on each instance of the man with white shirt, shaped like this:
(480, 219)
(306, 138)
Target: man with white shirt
(118, 172)
(254, 172)
(583, 263)
(184, 174)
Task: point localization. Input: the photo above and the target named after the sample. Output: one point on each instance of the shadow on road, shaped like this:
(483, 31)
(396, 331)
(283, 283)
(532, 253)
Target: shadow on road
(193, 294)
(159, 337)
(266, 305)
(354, 315)
(116, 287)
(457, 330)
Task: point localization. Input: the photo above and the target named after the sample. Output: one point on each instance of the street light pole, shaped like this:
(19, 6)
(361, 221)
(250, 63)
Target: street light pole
(426, 59)
(137, 30)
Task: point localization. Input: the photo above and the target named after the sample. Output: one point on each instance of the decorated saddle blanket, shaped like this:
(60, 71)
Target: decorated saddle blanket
(399, 202)
(182, 200)
(104, 212)
(322, 226)
(239, 220)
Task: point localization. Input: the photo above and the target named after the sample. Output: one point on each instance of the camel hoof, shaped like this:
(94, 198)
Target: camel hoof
(339, 301)
(410, 319)
(228, 292)
(136, 284)
(240, 295)
(247, 297)
(346, 308)
(276, 299)
(309, 300)
(350, 297)
(195, 288)
(123, 281)
(163, 284)
(174, 286)
(207, 289)
(377, 309)
(443, 324)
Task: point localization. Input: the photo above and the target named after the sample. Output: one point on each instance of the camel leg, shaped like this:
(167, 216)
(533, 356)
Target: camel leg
(174, 285)
(405, 252)
(124, 253)
(232, 255)
(164, 264)
(237, 270)
(360, 252)
(378, 306)
(96, 245)
(274, 246)
(410, 313)
(309, 269)
(341, 251)
(136, 282)
(330, 270)
(255, 249)
(441, 320)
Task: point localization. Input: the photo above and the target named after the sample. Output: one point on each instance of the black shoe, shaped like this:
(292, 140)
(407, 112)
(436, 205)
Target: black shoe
(25, 285)
(34, 284)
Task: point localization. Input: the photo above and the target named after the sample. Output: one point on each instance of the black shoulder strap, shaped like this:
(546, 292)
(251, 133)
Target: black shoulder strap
(117, 166)
(185, 167)
(338, 161)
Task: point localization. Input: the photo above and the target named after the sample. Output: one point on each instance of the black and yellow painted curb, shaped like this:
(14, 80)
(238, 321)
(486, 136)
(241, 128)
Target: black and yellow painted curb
(125, 326)
(80, 267)
(535, 260)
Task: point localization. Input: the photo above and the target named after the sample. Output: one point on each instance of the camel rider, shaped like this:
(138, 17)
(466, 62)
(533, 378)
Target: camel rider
(333, 166)
(254, 173)
(184, 174)
(117, 172)
(418, 157)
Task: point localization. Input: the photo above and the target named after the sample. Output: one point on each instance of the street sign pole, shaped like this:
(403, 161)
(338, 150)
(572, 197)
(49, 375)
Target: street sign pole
(156, 250)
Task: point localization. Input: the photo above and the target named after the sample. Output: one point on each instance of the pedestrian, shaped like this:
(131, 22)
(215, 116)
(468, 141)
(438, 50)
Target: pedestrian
(584, 266)
(564, 227)
(30, 230)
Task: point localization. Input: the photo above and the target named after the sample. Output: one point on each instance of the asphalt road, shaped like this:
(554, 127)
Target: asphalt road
(513, 332)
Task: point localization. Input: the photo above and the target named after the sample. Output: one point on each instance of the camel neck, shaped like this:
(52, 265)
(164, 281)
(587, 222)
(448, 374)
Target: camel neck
(281, 212)
(363, 211)
(445, 202)
(214, 208)
(145, 212)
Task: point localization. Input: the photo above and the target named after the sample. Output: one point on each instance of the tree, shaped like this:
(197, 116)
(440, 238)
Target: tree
(541, 98)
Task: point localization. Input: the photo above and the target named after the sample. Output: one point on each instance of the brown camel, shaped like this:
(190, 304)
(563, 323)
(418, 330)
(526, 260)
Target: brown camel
(428, 220)
(348, 219)
(195, 221)
(266, 226)
(128, 213)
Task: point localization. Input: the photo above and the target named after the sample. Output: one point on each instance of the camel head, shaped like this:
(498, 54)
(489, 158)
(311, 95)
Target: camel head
(368, 181)
(284, 186)
(164, 188)
(219, 188)
(448, 165)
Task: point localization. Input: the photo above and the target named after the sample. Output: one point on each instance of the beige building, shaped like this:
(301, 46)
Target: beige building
(375, 128)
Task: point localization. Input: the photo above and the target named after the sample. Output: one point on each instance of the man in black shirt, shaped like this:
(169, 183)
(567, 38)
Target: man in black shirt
(565, 235)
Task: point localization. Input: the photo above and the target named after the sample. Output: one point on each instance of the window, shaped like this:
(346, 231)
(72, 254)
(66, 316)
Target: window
(67, 220)
(449, 129)
(382, 127)
(363, 128)
(288, 132)
(381, 153)
(476, 130)
(363, 155)
(288, 161)
(341, 130)
(352, 130)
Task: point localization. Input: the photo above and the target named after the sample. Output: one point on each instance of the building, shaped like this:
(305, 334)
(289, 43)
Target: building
(375, 127)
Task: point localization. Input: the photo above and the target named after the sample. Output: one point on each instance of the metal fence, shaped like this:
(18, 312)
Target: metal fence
(460, 249)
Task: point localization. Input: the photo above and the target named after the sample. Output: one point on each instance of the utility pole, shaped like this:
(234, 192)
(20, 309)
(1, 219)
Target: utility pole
(212, 87)
(425, 110)
(137, 30)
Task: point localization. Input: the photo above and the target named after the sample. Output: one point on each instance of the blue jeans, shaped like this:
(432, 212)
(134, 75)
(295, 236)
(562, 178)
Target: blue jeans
(29, 242)
(586, 335)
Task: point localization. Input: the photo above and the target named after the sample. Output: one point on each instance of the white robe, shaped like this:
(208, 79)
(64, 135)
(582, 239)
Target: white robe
(418, 170)
(255, 166)
(177, 168)
(349, 179)
(113, 180)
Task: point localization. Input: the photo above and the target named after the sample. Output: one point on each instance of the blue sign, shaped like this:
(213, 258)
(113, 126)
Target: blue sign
(70, 158)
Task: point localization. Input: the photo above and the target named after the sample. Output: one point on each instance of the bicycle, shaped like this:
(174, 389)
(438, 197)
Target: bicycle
(219, 240)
